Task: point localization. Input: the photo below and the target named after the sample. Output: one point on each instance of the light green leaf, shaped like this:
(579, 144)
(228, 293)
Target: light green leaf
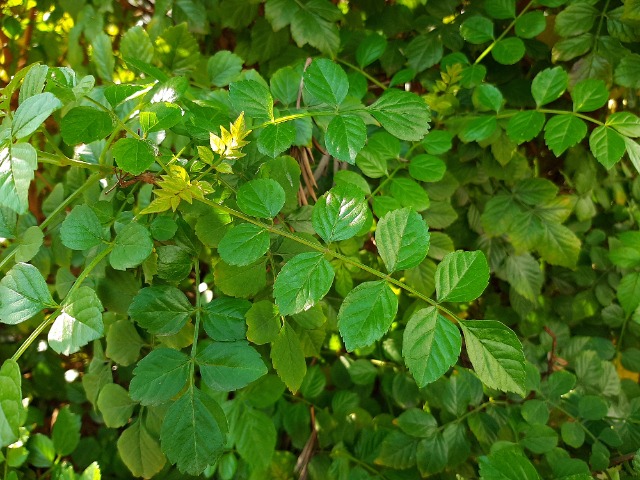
(34, 81)
(252, 98)
(159, 376)
(507, 464)
(624, 122)
(345, 137)
(276, 138)
(32, 113)
(427, 168)
(160, 116)
(525, 126)
(424, 51)
(325, 83)
(462, 276)
(79, 322)
(524, 275)
(303, 281)
(339, 214)
(223, 68)
(263, 322)
(244, 244)
(123, 343)
(589, 95)
(628, 292)
(402, 238)
(308, 27)
(477, 30)
(488, 97)
(132, 245)
(562, 132)
(288, 358)
(240, 281)
(29, 245)
(263, 198)
(66, 432)
(133, 156)
(85, 125)
(256, 438)
(227, 366)
(402, 114)
(366, 314)
(23, 293)
(531, 24)
(135, 43)
(193, 433)
(496, 354)
(549, 85)
(607, 145)
(409, 193)
(558, 245)
(10, 402)
(102, 56)
(140, 451)
(508, 51)
(431, 345)
(224, 319)
(370, 49)
(177, 49)
(18, 164)
(162, 310)
(81, 229)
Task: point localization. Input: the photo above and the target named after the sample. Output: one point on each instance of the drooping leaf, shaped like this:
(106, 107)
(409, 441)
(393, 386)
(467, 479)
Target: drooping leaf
(132, 245)
(66, 431)
(227, 366)
(10, 402)
(402, 238)
(115, 405)
(23, 293)
(194, 432)
(431, 345)
(79, 322)
(32, 112)
(562, 132)
(288, 358)
(303, 281)
(607, 145)
(81, 229)
(244, 244)
(159, 376)
(366, 314)
(462, 276)
(402, 114)
(345, 137)
(263, 322)
(17, 166)
(162, 310)
(339, 214)
(140, 451)
(496, 354)
(262, 197)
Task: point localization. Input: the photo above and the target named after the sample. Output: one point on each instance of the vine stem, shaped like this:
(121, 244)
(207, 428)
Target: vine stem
(503, 34)
(197, 324)
(373, 80)
(327, 251)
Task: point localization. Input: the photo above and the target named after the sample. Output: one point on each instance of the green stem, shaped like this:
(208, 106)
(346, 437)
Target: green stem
(357, 461)
(115, 117)
(64, 161)
(503, 34)
(575, 114)
(479, 408)
(600, 22)
(576, 420)
(35, 334)
(365, 74)
(384, 182)
(196, 328)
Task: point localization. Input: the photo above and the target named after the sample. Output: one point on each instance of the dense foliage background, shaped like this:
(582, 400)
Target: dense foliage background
(321, 240)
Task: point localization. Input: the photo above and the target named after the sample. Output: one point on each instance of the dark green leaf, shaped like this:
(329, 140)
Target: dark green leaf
(424, 51)
(345, 137)
(242, 281)
(132, 245)
(402, 238)
(224, 319)
(531, 24)
(159, 376)
(308, 27)
(263, 198)
(23, 293)
(227, 366)
(508, 51)
(525, 126)
(162, 310)
(507, 464)
(589, 95)
(133, 156)
(339, 214)
(81, 229)
(85, 125)
(488, 97)
(370, 49)
(462, 276)
(427, 168)
(402, 114)
(288, 358)
(577, 18)
(263, 322)
(477, 30)
(562, 132)
(244, 244)
(549, 85)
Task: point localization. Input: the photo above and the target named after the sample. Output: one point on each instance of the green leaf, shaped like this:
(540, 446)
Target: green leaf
(549, 85)
(256, 438)
(431, 454)
(593, 407)
(589, 95)
(496, 354)
(572, 47)
(159, 376)
(524, 275)
(177, 49)
(163, 228)
(398, 451)
(133, 156)
(477, 30)
(325, 83)
(345, 137)
(263, 322)
(525, 126)
(488, 97)
(263, 198)
(19, 163)
(403, 114)
(424, 51)
(501, 9)
(276, 138)
(575, 19)
(227, 366)
(508, 51)
(409, 193)
(558, 245)
(462, 276)
(370, 49)
(303, 281)
(23, 293)
(242, 281)
(572, 434)
(252, 98)
(193, 433)
(507, 464)
(32, 113)
(628, 292)
(29, 245)
(607, 146)
(10, 402)
(135, 43)
(131, 247)
(79, 322)
(161, 310)
(85, 125)
(562, 132)
(624, 122)
(339, 214)
(431, 345)
(115, 405)
(224, 319)
(427, 168)
(535, 191)
(366, 314)
(66, 432)
(288, 358)
(244, 244)
(477, 129)
(308, 27)
(140, 451)
(531, 24)
(102, 56)
(402, 238)
(539, 439)
(81, 229)
(627, 71)
(437, 141)
(223, 68)
(160, 116)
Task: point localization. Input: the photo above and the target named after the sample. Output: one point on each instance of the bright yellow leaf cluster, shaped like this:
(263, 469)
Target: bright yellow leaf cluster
(175, 187)
(229, 143)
